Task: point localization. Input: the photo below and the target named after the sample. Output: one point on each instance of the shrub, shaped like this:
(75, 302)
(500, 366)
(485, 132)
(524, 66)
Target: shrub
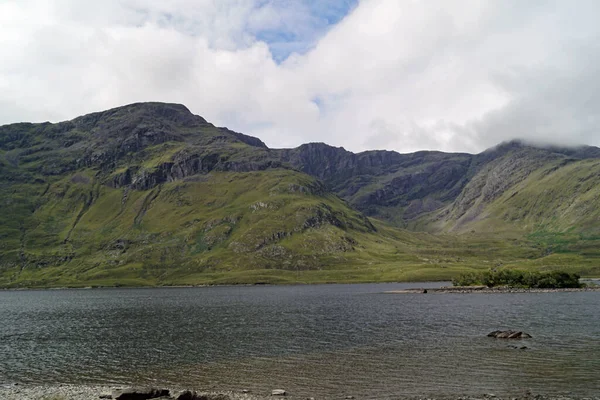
(522, 279)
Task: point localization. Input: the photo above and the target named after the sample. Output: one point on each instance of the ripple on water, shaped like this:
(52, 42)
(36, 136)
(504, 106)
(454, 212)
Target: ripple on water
(312, 340)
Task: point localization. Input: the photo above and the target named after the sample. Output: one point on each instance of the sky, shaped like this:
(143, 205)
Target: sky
(404, 75)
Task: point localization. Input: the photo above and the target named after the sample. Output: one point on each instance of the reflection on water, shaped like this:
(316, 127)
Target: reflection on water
(322, 340)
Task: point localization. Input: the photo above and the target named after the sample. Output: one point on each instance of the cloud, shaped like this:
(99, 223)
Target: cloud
(454, 75)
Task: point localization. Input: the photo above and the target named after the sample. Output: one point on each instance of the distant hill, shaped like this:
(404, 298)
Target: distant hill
(150, 194)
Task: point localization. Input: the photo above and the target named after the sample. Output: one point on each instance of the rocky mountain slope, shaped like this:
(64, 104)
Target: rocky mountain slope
(400, 188)
(152, 194)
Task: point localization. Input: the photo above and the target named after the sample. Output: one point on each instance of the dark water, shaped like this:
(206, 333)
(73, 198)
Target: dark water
(324, 341)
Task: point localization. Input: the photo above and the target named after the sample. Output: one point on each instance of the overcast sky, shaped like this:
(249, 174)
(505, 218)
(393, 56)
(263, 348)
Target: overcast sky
(405, 75)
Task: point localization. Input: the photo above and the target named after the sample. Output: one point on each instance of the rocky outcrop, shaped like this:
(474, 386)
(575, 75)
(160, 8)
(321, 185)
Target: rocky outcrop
(375, 179)
(183, 166)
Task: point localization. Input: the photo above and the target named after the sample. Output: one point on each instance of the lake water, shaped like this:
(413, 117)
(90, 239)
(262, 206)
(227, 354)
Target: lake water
(326, 341)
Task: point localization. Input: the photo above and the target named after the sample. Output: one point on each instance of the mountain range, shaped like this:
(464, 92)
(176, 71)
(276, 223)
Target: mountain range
(150, 194)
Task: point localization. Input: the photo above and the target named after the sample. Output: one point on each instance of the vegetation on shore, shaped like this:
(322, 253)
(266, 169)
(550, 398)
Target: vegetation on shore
(520, 279)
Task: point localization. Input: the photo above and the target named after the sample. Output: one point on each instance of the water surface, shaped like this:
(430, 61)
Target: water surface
(315, 340)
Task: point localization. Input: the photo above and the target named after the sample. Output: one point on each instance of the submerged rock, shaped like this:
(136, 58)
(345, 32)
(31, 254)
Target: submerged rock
(509, 335)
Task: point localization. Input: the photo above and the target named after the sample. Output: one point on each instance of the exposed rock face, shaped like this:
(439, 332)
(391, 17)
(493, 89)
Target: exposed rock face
(509, 335)
(396, 179)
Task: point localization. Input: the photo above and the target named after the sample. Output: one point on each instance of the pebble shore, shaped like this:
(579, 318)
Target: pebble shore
(81, 392)
(77, 392)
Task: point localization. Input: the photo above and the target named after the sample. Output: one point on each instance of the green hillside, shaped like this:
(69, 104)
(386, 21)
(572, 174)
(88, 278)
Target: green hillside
(149, 194)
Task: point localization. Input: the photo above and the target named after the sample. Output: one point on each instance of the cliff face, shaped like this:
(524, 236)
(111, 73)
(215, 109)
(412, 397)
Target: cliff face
(385, 184)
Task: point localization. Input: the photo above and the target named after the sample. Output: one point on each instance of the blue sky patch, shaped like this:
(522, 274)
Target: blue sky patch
(300, 35)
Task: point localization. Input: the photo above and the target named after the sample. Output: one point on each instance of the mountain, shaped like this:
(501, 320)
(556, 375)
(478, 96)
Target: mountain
(150, 194)
(400, 188)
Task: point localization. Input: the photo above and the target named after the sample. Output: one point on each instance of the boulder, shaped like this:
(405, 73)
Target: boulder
(509, 335)
(189, 395)
(139, 393)
(278, 392)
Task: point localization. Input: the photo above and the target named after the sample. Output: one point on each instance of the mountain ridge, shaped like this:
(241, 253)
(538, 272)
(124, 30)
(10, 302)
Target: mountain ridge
(149, 193)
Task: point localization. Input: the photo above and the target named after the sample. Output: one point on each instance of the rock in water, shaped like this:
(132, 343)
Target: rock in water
(509, 335)
(278, 392)
(139, 393)
(189, 395)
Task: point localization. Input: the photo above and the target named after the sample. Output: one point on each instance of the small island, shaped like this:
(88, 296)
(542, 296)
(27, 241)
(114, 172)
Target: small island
(510, 281)
(520, 279)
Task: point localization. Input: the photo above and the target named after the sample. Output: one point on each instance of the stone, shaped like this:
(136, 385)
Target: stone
(139, 393)
(106, 396)
(189, 395)
(509, 335)
(278, 392)
(186, 395)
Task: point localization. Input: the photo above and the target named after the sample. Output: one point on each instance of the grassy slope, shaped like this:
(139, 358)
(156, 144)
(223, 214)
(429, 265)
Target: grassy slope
(273, 226)
(553, 211)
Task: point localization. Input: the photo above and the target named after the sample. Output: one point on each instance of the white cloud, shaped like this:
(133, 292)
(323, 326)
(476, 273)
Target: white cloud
(457, 75)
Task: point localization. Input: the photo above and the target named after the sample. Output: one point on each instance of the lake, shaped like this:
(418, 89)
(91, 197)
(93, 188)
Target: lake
(314, 340)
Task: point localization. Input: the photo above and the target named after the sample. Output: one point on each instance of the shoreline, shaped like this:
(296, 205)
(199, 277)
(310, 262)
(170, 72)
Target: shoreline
(93, 392)
(17, 289)
(90, 392)
(487, 290)
(444, 289)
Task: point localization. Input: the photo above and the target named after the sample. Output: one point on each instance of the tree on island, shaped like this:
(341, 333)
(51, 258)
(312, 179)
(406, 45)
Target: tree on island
(520, 279)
